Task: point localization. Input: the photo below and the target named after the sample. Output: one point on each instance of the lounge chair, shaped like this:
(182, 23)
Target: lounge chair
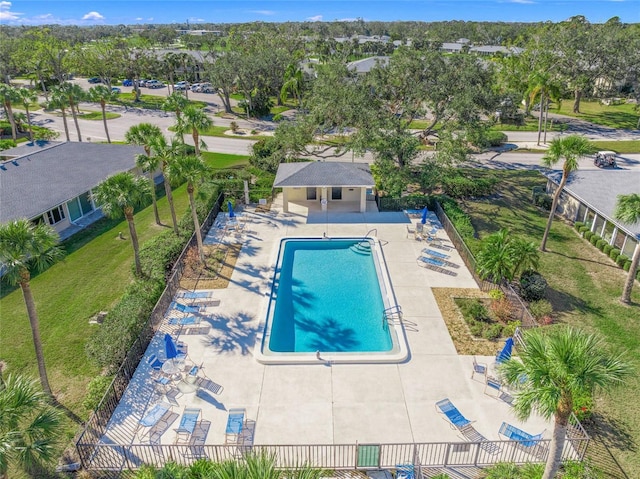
(154, 362)
(479, 368)
(235, 424)
(456, 419)
(471, 434)
(183, 308)
(209, 385)
(435, 254)
(438, 262)
(433, 267)
(438, 243)
(187, 321)
(411, 231)
(194, 294)
(187, 423)
(525, 441)
(162, 426)
(196, 442)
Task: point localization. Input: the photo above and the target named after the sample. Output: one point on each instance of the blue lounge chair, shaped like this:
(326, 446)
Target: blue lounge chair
(525, 441)
(183, 308)
(154, 362)
(438, 262)
(435, 254)
(457, 420)
(405, 471)
(434, 265)
(154, 414)
(187, 423)
(188, 321)
(235, 424)
(194, 294)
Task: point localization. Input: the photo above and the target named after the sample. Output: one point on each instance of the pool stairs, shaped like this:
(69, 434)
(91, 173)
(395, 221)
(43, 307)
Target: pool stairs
(363, 248)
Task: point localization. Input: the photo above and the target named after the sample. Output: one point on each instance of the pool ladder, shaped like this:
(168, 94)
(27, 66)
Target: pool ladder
(392, 315)
(364, 246)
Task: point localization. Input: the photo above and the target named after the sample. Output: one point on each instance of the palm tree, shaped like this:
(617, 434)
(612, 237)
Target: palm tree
(166, 153)
(176, 103)
(570, 148)
(293, 83)
(192, 170)
(102, 94)
(554, 367)
(59, 100)
(504, 256)
(195, 119)
(121, 194)
(27, 97)
(143, 134)
(10, 95)
(75, 95)
(628, 211)
(25, 247)
(149, 164)
(29, 427)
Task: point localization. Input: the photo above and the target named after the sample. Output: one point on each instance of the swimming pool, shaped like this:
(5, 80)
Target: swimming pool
(330, 296)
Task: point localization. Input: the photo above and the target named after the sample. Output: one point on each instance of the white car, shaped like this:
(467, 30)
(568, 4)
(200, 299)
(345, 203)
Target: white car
(181, 85)
(154, 84)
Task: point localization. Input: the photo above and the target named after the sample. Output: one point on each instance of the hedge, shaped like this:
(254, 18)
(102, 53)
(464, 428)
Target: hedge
(615, 252)
(600, 244)
(607, 249)
(578, 224)
(582, 229)
(622, 259)
(594, 239)
(588, 235)
(458, 217)
(627, 266)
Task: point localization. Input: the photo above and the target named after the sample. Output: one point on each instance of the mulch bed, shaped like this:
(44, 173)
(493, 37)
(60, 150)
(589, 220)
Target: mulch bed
(218, 275)
(464, 342)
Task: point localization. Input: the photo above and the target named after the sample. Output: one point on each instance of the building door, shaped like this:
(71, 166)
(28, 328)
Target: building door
(336, 192)
(311, 193)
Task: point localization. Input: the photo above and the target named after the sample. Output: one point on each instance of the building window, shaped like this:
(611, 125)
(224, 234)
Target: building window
(55, 215)
(336, 192)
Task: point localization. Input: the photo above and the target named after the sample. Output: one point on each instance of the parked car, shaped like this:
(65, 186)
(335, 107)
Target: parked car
(115, 89)
(142, 82)
(95, 80)
(127, 82)
(154, 84)
(196, 87)
(181, 85)
(208, 89)
(605, 159)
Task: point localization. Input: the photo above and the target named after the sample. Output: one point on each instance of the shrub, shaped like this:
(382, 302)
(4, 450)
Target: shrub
(543, 201)
(458, 217)
(474, 309)
(492, 331)
(277, 117)
(502, 309)
(234, 126)
(582, 229)
(622, 259)
(578, 224)
(594, 239)
(476, 328)
(459, 186)
(6, 144)
(532, 285)
(496, 294)
(600, 244)
(510, 328)
(615, 252)
(588, 234)
(95, 391)
(607, 249)
(627, 266)
(540, 308)
(583, 406)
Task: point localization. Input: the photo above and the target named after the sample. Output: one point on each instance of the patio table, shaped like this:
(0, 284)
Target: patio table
(172, 367)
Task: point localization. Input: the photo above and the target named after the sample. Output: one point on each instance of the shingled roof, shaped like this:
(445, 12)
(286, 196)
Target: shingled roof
(323, 173)
(41, 179)
(599, 190)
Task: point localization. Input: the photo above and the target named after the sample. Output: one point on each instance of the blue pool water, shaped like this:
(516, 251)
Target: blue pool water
(327, 298)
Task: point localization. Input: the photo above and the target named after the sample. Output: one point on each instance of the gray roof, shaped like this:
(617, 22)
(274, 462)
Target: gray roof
(366, 64)
(323, 173)
(27, 148)
(36, 182)
(599, 189)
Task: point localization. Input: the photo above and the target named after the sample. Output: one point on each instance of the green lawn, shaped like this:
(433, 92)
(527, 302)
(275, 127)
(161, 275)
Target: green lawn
(628, 146)
(530, 124)
(615, 116)
(90, 279)
(153, 102)
(584, 287)
(219, 131)
(97, 115)
(221, 161)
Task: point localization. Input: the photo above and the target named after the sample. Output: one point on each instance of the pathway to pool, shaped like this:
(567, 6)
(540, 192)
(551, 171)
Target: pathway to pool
(321, 404)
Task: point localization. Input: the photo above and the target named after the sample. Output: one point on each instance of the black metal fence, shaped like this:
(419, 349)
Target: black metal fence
(520, 311)
(117, 458)
(97, 423)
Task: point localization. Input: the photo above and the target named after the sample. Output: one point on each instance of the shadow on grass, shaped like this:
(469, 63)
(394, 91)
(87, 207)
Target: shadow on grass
(607, 434)
(563, 302)
(608, 264)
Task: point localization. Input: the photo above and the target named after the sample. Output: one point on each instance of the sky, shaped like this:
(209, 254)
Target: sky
(130, 12)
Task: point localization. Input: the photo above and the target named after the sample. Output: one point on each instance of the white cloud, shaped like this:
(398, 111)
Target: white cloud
(316, 18)
(139, 19)
(263, 12)
(347, 20)
(6, 14)
(523, 2)
(93, 16)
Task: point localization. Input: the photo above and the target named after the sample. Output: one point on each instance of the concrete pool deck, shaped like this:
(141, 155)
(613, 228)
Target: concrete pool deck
(324, 404)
